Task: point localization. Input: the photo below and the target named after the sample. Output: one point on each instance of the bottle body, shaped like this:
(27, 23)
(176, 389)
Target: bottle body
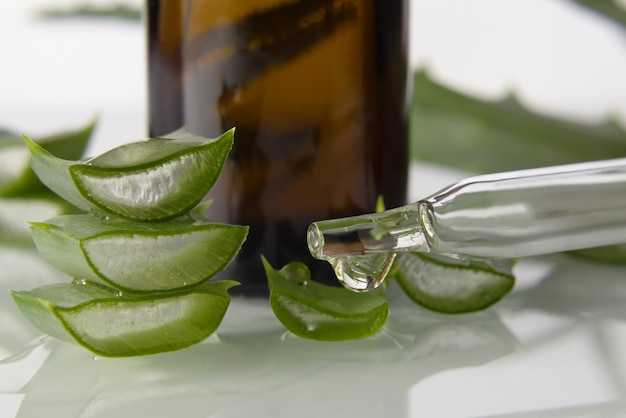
(317, 92)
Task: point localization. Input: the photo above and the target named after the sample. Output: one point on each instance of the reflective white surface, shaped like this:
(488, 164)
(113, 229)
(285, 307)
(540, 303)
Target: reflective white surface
(554, 348)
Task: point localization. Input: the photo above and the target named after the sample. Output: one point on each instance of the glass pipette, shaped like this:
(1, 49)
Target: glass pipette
(505, 215)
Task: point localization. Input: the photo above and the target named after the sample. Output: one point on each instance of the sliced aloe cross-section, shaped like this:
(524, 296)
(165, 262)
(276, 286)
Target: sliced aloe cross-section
(113, 325)
(320, 312)
(138, 256)
(448, 285)
(155, 179)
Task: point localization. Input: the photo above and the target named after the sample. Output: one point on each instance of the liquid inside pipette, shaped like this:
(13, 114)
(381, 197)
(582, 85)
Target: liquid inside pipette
(497, 216)
(362, 273)
(361, 249)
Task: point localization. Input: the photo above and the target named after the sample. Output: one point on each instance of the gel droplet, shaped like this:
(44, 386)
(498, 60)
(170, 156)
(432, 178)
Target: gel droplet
(362, 273)
(296, 272)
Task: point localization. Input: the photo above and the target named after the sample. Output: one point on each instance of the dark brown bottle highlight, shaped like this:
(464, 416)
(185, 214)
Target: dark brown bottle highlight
(317, 92)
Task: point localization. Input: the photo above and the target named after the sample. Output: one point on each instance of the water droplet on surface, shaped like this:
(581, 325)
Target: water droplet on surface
(80, 282)
(296, 272)
(119, 294)
(362, 273)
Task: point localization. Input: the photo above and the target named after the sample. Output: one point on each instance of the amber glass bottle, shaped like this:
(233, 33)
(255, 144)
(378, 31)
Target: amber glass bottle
(317, 92)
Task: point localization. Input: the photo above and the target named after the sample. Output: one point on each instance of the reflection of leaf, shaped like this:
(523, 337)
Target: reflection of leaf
(482, 136)
(250, 357)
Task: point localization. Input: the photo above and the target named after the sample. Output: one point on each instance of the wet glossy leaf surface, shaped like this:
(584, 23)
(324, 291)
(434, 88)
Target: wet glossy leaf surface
(156, 179)
(315, 311)
(452, 286)
(111, 324)
(138, 257)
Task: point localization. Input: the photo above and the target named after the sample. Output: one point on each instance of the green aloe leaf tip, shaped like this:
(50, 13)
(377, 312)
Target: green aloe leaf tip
(325, 313)
(152, 180)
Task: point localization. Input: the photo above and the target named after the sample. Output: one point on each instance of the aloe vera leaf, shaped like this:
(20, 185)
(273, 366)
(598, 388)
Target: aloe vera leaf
(138, 257)
(112, 325)
(150, 180)
(54, 173)
(88, 10)
(15, 213)
(609, 9)
(315, 311)
(70, 144)
(451, 286)
(481, 136)
(14, 167)
(17, 179)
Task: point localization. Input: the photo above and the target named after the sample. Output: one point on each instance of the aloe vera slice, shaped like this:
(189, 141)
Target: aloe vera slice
(151, 180)
(110, 325)
(136, 256)
(315, 311)
(452, 286)
(16, 175)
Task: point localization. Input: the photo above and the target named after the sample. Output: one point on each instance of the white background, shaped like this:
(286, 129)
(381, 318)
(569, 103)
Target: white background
(558, 58)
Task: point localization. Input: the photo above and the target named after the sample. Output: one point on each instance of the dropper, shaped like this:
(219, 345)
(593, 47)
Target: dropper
(505, 215)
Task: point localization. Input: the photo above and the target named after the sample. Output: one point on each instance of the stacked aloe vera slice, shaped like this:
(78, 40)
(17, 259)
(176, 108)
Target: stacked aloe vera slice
(140, 256)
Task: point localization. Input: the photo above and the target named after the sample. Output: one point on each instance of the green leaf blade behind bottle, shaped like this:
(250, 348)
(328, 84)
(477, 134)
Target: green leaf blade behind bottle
(483, 136)
(17, 179)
